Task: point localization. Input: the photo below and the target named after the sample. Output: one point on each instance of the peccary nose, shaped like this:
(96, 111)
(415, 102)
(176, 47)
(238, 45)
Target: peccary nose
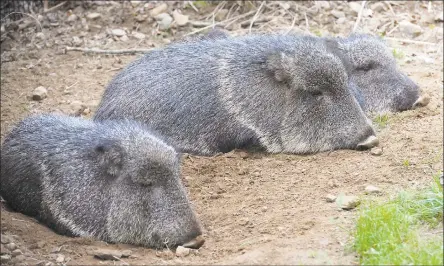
(369, 143)
(421, 102)
(195, 243)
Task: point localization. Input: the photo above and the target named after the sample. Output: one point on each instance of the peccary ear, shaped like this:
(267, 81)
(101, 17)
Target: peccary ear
(279, 64)
(110, 155)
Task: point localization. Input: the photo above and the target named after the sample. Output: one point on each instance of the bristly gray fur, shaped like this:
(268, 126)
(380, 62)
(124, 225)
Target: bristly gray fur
(278, 93)
(113, 180)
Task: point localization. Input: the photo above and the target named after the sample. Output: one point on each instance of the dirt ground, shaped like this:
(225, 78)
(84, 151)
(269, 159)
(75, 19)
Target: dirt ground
(255, 208)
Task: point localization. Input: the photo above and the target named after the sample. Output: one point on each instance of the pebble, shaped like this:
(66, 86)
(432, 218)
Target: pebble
(60, 258)
(164, 20)
(39, 93)
(330, 198)
(16, 252)
(4, 250)
(5, 258)
(76, 41)
(376, 151)
(71, 18)
(138, 35)
(370, 189)
(182, 251)
(93, 16)
(264, 208)
(244, 221)
(378, 7)
(348, 202)
(338, 14)
(409, 28)
(159, 9)
(140, 18)
(180, 19)
(341, 20)
(126, 253)
(118, 32)
(355, 7)
(5, 239)
(11, 246)
(106, 254)
(40, 36)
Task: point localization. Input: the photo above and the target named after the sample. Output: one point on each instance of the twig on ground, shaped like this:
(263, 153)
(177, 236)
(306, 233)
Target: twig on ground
(255, 16)
(292, 25)
(410, 41)
(54, 8)
(217, 9)
(199, 24)
(100, 51)
(221, 23)
(192, 5)
(392, 30)
(307, 27)
(359, 16)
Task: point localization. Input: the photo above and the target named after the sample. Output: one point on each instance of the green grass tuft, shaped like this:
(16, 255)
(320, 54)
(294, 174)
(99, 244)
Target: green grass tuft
(392, 232)
(398, 54)
(381, 120)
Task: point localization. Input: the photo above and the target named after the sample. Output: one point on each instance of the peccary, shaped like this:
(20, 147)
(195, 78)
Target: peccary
(113, 180)
(375, 80)
(277, 93)
(373, 71)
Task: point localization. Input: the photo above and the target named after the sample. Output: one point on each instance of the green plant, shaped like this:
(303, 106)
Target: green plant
(398, 54)
(392, 232)
(381, 120)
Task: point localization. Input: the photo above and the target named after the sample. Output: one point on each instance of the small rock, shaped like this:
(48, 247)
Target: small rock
(244, 221)
(338, 14)
(330, 198)
(159, 9)
(5, 239)
(19, 259)
(11, 246)
(138, 35)
(40, 36)
(372, 190)
(71, 18)
(164, 20)
(264, 208)
(106, 254)
(355, 7)
(180, 19)
(76, 41)
(140, 18)
(376, 151)
(124, 38)
(93, 16)
(4, 250)
(5, 258)
(284, 5)
(348, 202)
(378, 7)
(341, 20)
(60, 258)
(118, 32)
(182, 251)
(409, 28)
(16, 252)
(333, 183)
(221, 14)
(126, 253)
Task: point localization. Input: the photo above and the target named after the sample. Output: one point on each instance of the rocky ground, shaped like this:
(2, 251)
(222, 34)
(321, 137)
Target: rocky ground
(256, 208)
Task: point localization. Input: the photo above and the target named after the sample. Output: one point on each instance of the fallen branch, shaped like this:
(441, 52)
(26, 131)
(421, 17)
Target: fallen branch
(27, 24)
(359, 16)
(54, 8)
(255, 16)
(410, 41)
(100, 51)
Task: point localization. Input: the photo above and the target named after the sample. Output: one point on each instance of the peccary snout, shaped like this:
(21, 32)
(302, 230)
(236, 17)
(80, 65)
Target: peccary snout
(113, 180)
(368, 143)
